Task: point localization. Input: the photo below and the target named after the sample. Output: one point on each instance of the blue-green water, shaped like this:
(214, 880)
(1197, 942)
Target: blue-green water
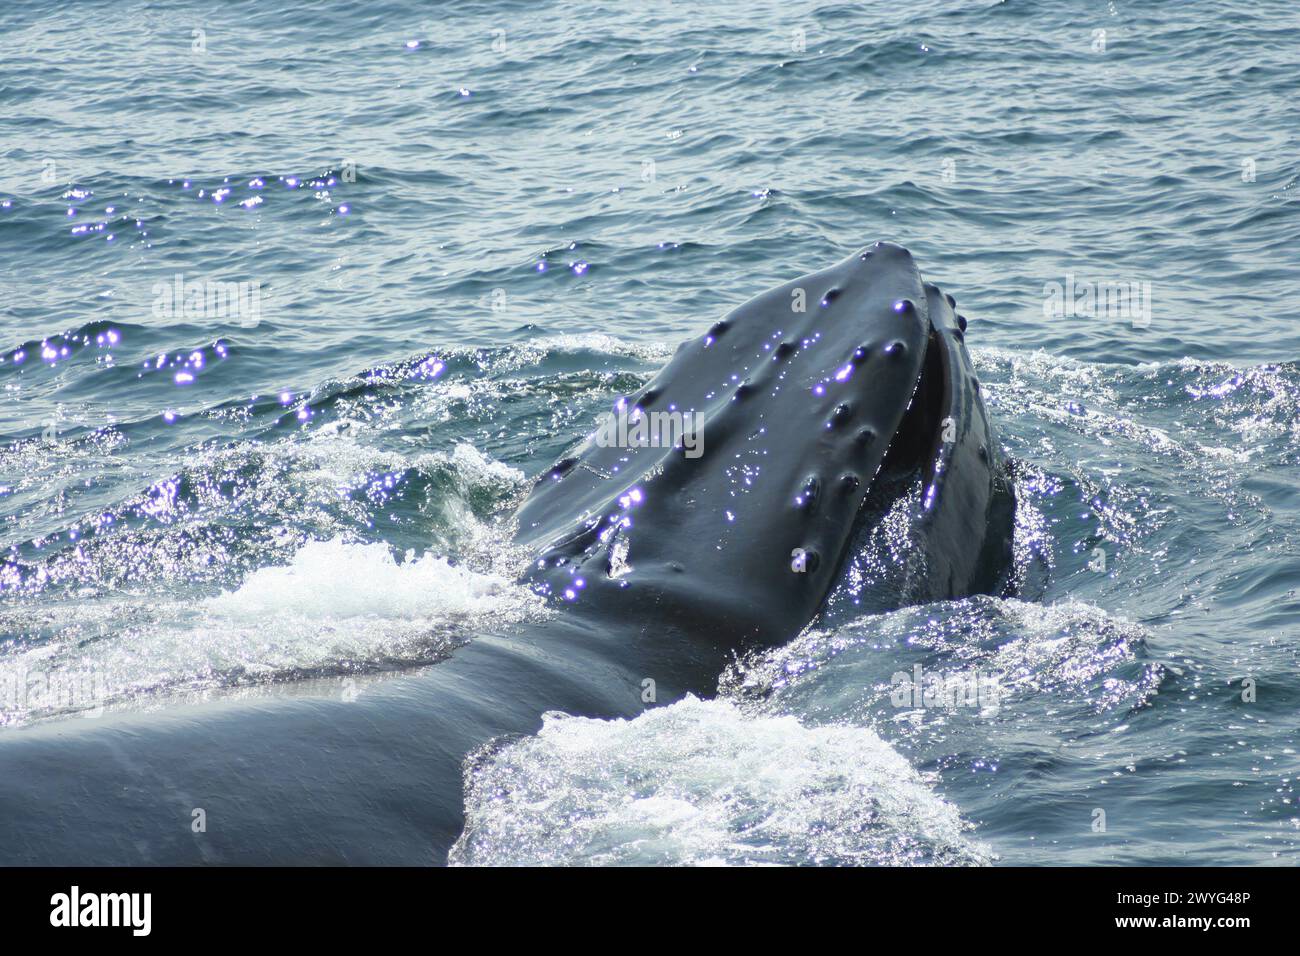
(469, 226)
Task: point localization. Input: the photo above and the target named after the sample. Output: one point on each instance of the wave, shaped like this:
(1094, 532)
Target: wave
(703, 783)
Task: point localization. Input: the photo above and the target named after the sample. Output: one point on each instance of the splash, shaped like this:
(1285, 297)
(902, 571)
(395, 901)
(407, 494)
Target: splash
(703, 783)
(336, 608)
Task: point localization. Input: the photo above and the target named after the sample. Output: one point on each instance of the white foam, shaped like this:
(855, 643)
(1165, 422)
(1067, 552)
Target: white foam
(703, 782)
(334, 580)
(1068, 655)
(336, 608)
(649, 351)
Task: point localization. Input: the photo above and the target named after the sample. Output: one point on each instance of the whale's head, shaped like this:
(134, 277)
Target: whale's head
(726, 493)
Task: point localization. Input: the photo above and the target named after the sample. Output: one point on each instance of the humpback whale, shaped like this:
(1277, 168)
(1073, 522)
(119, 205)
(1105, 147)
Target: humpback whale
(811, 408)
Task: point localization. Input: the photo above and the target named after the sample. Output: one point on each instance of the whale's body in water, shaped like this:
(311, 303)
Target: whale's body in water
(711, 515)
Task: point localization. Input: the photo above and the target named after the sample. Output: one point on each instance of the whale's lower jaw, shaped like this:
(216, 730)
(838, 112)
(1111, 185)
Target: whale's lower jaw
(803, 419)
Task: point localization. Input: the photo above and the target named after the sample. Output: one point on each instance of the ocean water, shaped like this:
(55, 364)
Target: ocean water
(464, 228)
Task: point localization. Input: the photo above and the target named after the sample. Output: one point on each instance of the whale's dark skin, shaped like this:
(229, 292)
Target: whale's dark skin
(801, 412)
(672, 588)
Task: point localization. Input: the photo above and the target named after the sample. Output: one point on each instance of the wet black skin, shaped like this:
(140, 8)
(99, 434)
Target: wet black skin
(311, 778)
(799, 413)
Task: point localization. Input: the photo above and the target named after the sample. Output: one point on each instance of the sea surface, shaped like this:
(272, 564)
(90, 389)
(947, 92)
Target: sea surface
(464, 228)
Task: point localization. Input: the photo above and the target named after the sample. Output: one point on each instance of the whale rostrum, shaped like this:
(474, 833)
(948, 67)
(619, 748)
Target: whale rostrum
(729, 489)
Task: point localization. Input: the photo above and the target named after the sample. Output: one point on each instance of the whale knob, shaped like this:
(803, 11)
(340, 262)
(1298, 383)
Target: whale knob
(806, 561)
(807, 498)
(842, 414)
